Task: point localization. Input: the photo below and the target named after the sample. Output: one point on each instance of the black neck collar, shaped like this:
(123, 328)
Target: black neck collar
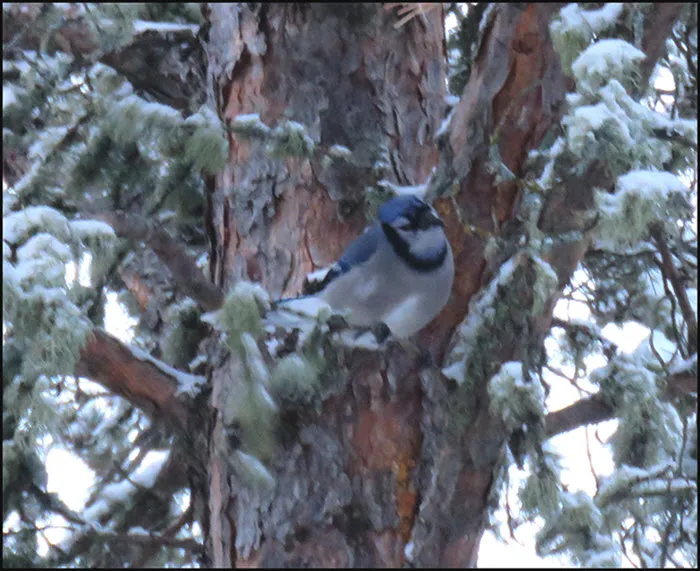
(401, 248)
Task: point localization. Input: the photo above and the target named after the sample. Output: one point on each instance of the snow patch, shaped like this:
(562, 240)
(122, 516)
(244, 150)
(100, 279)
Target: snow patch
(250, 125)
(41, 245)
(685, 365)
(514, 398)
(307, 306)
(642, 197)
(340, 152)
(90, 228)
(444, 126)
(141, 26)
(480, 312)
(186, 383)
(655, 185)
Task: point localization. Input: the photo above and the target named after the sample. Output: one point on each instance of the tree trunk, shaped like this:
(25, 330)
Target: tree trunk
(398, 465)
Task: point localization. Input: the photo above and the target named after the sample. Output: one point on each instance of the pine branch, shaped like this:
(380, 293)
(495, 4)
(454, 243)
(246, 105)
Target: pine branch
(168, 533)
(609, 348)
(150, 540)
(671, 273)
(92, 537)
(594, 410)
(171, 479)
(188, 277)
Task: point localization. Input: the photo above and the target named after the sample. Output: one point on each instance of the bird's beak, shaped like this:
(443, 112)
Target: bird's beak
(430, 218)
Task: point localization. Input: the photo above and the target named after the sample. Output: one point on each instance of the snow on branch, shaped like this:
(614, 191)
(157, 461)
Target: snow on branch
(631, 482)
(287, 139)
(515, 398)
(99, 520)
(490, 312)
(605, 60)
(186, 383)
(141, 26)
(642, 199)
(574, 28)
(146, 385)
(38, 243)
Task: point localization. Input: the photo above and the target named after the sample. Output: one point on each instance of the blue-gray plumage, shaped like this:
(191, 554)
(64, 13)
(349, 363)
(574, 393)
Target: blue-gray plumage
(399, 271)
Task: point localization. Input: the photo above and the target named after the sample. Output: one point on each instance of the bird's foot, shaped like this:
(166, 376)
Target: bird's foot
(424, 359)
(337, 323)
(381, 332)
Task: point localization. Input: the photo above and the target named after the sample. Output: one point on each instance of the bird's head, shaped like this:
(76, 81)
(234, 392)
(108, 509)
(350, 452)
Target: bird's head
(415, 230)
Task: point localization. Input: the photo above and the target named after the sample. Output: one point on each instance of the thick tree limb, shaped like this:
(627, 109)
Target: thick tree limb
(594, 410)
(168, 65)
(108, 362)
(170, 68)
(512, 99)
(188, 277)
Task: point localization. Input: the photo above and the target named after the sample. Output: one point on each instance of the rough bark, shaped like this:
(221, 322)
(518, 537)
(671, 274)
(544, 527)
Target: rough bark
(377, 468)
(351, 79)
(348, 87)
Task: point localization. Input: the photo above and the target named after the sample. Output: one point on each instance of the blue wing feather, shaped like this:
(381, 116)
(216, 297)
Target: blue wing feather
(361, 248)
(358, 252)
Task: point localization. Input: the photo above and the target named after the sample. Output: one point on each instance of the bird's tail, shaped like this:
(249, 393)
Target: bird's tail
(284, 300)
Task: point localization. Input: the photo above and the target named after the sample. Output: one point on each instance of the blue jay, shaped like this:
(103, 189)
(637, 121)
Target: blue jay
(398, 272)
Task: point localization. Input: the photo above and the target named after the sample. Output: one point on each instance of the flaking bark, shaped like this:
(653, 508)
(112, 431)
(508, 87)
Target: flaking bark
(397, 456)
(345, 488)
